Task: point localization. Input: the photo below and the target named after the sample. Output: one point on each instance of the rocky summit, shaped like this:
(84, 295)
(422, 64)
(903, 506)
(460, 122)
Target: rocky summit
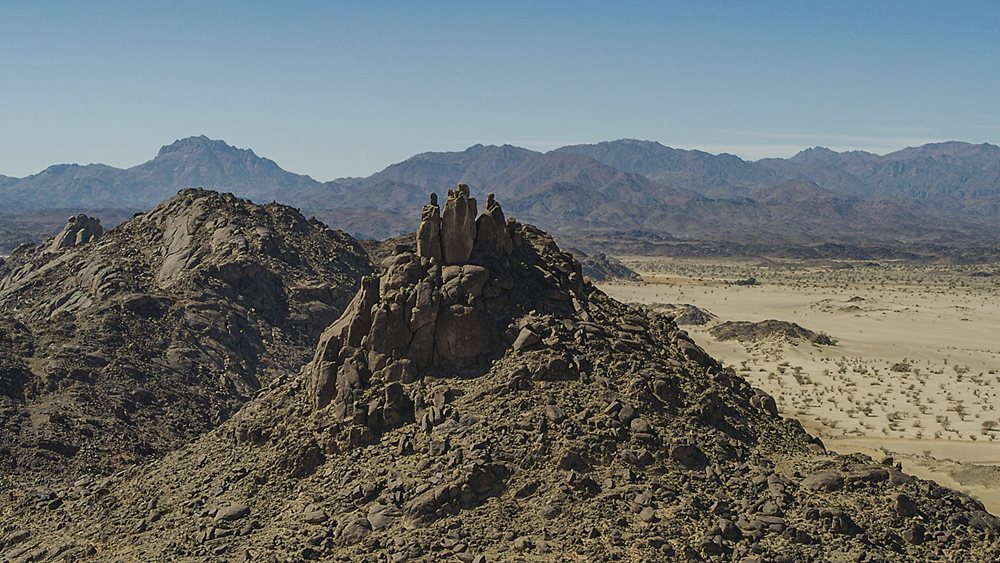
(476, 401)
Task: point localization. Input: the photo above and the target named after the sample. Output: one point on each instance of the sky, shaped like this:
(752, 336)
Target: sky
(334, 89)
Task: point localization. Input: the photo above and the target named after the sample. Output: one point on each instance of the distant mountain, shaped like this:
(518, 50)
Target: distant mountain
(795, 191)
(538, 174)
(195, 161)
(387, 203)
(553, 188)
(953, 169)
(64, 185)
(433, 170)
(577, 191)
(722, 175)
(625, 188)
(199, 161)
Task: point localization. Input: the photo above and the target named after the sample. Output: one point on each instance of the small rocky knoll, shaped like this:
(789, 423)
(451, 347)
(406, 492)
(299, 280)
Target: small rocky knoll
(599, 267)
(768, 330)
(479, 401)
(116, 346)
(684, 314)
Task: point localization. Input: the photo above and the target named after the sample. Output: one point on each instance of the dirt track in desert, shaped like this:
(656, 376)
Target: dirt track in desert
(914, 372)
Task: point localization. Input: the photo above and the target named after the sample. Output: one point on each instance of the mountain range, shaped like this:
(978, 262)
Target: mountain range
(935, 195)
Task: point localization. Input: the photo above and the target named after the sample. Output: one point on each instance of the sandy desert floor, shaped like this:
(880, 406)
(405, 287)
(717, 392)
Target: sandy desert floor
(914, 373)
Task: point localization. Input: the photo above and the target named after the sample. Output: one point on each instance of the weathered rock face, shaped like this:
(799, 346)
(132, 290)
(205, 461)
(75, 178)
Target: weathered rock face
(458, 226)
(459, 236)
(422, 318)
(429, 232)
(492, 236)
(79, 229)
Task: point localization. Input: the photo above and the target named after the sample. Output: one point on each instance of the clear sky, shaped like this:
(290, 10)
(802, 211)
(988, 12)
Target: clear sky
(334, 89)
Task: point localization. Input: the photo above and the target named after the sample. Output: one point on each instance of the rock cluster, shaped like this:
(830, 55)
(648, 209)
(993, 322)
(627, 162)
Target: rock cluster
(444, 310)
(459, 235)
(79, 229)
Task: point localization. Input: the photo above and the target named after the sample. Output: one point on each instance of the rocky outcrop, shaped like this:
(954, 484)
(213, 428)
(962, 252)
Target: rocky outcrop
(492, 236)
(423, 317)
(683, 313)
(80, 229)
(460, 235)
(599, 267)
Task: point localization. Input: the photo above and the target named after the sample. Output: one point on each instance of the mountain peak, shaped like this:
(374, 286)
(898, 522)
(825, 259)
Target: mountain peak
(639, 142)
(618, 144)
(814, 152)
(199, 144)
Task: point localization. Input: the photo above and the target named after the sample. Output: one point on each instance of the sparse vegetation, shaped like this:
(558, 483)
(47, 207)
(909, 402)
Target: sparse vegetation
(896, 371)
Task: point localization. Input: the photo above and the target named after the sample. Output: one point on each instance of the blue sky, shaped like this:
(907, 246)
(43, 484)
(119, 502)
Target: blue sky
(333, 89)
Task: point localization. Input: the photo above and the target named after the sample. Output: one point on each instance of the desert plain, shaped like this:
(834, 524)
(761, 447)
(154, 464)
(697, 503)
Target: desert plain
(913, 371)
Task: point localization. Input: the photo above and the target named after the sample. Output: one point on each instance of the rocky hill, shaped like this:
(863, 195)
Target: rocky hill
(770, 329)
(479, 401)
(32, 227)
(123, 344)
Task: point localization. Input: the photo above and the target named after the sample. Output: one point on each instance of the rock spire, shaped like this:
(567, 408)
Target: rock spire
(459, 236)
(443, 311)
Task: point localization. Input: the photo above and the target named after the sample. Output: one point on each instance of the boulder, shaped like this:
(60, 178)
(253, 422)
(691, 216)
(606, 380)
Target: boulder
(826, 480)
(526, 339)
(234, 511)
(80, 229)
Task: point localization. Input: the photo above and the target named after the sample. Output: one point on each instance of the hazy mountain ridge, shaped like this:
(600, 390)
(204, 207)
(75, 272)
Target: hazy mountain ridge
(951, 169)
(723, 175)
(940, 192)
(433, 171)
